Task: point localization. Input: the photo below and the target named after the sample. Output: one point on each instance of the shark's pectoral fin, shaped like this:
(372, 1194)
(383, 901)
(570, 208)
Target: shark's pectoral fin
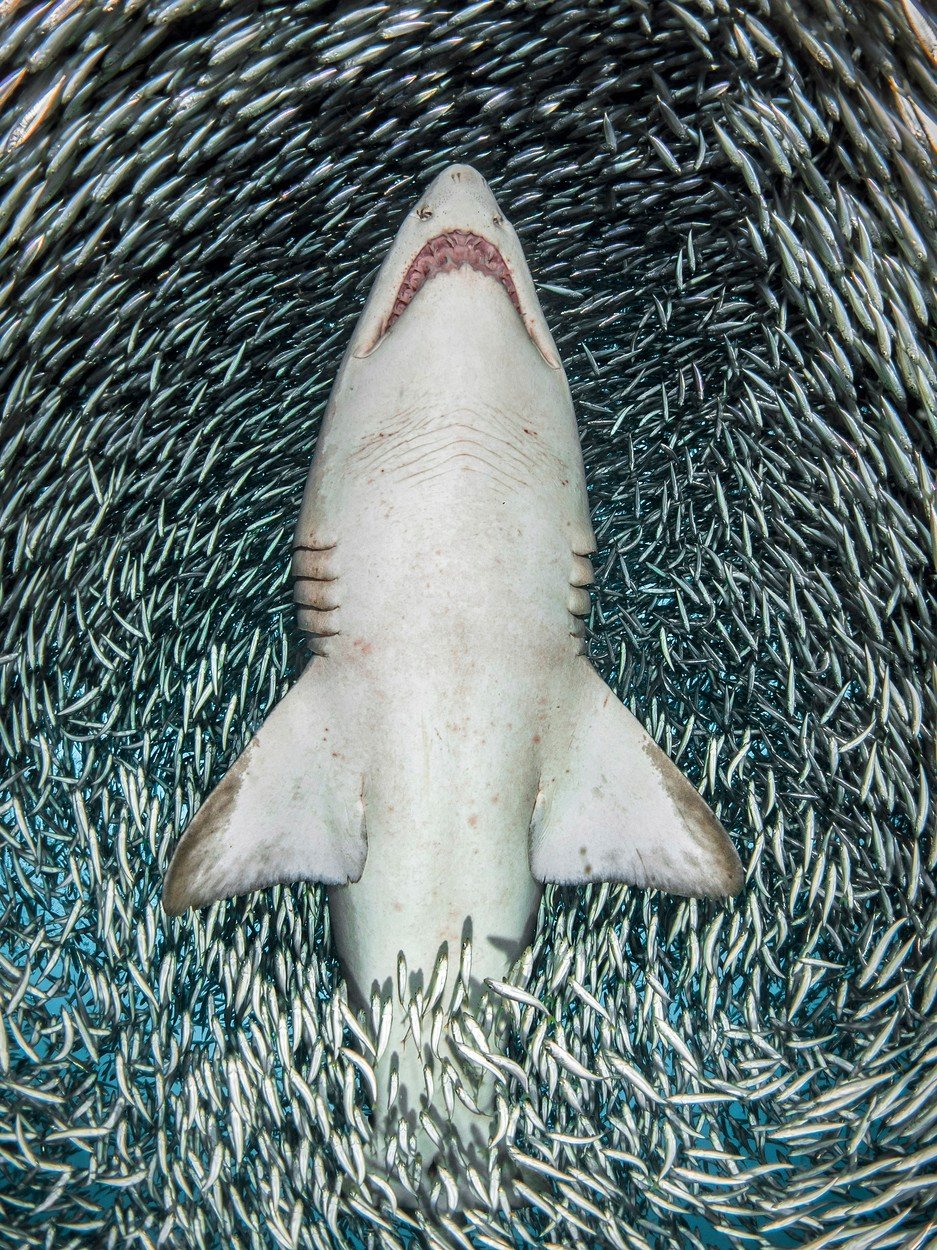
(613, 807)
(290, 808)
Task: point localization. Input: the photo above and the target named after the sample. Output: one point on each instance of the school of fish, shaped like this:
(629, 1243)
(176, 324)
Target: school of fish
(729, 212)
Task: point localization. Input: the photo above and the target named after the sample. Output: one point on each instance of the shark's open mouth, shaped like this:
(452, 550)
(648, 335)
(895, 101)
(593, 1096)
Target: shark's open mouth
(450, 251)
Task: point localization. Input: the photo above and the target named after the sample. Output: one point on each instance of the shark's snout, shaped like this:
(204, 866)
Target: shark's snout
(466, 224)
(456, 223)
(459, 189)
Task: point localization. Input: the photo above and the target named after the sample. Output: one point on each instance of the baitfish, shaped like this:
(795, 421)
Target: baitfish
(449, 748)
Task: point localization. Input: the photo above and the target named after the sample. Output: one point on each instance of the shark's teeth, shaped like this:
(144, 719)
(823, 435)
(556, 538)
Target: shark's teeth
(450, 251)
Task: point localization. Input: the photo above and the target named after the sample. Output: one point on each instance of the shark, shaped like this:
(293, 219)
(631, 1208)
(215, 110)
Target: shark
(449, 748)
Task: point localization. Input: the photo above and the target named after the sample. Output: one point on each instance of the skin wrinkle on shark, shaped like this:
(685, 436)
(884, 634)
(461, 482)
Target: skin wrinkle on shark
(450, 748)
(436, 438)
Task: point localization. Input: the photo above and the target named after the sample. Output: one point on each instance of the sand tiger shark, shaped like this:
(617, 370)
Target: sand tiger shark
(449, 748)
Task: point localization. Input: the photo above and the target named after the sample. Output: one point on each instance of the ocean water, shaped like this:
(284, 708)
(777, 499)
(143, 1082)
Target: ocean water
(729, 213)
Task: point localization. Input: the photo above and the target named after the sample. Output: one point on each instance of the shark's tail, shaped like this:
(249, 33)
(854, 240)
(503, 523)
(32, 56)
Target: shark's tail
(446, 1124)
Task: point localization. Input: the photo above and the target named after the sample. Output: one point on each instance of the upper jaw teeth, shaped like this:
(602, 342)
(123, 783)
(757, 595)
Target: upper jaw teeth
(446, 251)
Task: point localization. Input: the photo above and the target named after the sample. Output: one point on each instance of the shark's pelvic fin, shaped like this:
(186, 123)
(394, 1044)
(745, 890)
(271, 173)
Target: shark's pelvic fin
(612, 807)
(290, 808)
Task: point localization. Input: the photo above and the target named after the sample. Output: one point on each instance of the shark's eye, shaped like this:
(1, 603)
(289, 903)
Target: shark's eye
(424, 212)
(497, 219)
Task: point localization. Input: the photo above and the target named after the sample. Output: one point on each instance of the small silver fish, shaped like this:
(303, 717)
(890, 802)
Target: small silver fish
(190, 203)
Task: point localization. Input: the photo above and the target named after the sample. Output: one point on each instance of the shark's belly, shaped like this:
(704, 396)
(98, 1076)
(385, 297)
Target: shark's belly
(453, 624)
(448, 800)
(444, 537)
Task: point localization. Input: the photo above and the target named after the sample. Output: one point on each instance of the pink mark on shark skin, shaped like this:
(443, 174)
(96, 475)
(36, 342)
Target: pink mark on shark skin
(446, 252)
